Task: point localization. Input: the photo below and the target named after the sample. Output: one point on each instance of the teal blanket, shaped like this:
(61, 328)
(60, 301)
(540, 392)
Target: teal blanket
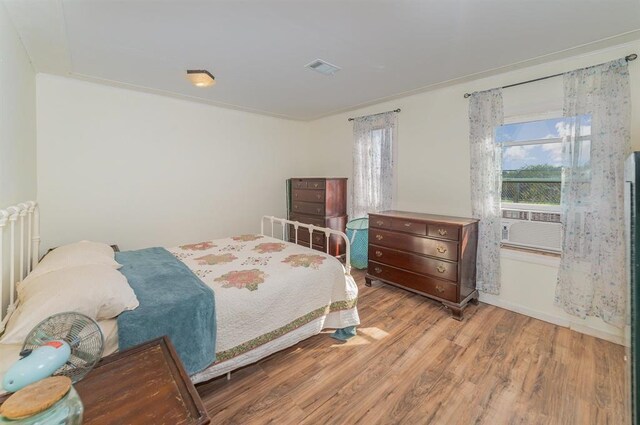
(173, 302)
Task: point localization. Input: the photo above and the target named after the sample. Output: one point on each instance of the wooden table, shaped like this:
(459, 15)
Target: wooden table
(146, 384)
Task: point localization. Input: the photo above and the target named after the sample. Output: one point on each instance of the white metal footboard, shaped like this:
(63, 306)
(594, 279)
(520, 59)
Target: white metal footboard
(23, 253)
(311, 228)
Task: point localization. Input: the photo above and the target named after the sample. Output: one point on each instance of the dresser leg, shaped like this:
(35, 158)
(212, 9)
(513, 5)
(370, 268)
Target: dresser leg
(474, 301)
(456, 312)
(367, 281)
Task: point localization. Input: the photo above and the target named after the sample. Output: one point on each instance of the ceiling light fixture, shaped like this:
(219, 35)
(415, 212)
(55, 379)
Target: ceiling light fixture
(201, 77)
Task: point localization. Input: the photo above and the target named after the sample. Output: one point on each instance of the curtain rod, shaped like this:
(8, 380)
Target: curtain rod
(628, 58)
(395, 110)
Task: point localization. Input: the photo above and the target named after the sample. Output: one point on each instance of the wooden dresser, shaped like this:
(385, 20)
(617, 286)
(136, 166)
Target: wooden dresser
(432, 255)
(321, 202)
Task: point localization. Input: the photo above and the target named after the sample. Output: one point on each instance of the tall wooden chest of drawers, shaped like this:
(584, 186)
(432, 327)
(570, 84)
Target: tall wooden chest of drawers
(321, 202)
(432, 255)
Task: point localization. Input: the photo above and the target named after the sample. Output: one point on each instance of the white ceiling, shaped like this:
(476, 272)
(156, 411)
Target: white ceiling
(257, 49)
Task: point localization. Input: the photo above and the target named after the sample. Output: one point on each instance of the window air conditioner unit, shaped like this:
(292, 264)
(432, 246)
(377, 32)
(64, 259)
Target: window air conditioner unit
(539, 230)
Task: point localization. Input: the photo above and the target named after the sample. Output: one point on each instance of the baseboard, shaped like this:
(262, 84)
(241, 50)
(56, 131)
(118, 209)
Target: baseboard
(551, 318)
(598, 333)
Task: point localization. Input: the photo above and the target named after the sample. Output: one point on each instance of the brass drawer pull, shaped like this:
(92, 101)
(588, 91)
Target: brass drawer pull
(318, 210)
(379, 237)
(407, 224)
(442, 232)
(379, 222)
(441, 268)
(318, 196)
(315, 185)
(440, 289)
(295, 207)
(441, 249)
(378, 254)
(377, 270)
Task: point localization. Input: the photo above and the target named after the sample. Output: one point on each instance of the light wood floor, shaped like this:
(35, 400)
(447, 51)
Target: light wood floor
(412, 364)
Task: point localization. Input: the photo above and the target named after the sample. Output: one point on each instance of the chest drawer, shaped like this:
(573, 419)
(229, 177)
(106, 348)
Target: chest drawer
(426, 284)
(415, 263)
(379, 222)
(299, 184)
(444, 231)
(309, 195)
(420, 245)
(319, 238)
(306, 219)
(306, 245)
(409, 226)
(307, 208)
(315, 184)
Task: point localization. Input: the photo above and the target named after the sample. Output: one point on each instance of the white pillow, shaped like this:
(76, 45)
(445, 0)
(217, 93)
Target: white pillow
(100, 292)
(75, 254)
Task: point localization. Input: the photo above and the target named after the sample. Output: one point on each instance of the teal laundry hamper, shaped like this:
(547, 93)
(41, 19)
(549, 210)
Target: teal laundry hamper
(358, 234)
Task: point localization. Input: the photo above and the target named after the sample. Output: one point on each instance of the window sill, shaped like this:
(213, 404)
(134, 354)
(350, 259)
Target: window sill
(533, 256)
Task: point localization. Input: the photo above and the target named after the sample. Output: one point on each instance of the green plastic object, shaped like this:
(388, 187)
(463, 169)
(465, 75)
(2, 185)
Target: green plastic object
(358, 234)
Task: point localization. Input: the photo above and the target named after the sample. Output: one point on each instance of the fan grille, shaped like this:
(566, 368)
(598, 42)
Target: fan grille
(81, 332)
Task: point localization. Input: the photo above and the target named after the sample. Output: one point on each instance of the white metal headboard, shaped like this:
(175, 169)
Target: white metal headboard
(25, 250)
(296, 224)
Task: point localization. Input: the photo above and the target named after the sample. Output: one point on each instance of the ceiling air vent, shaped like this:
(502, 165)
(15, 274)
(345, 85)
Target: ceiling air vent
(322, 67)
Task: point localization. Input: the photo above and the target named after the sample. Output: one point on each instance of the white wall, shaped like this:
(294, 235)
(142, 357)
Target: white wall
(17, 117)
(433, 163)
(138, 169)
(17, 127)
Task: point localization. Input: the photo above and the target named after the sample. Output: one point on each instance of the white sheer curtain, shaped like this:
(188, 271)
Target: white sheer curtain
(592, 277)
(373, 139)
(485, 114)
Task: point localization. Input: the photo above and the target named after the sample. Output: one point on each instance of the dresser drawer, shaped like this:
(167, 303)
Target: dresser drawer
(409, 226)
(306, 245)
(379, 222)
(319, 238)
(307, 220)
(420, 245)
(414, 263)
(444, 231)
(428, 285)
(307, 208)
(315, 184)
(298, 184)
(308, 195)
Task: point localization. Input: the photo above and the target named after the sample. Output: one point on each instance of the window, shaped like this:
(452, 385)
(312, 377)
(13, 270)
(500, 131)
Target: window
(532, 176)
(532, 158)
(381, 141)
(373, 174)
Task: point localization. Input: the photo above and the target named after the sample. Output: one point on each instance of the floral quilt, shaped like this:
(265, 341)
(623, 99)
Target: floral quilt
(265, 288)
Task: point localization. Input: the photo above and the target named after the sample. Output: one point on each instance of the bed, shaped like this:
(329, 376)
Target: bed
(269, 294)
